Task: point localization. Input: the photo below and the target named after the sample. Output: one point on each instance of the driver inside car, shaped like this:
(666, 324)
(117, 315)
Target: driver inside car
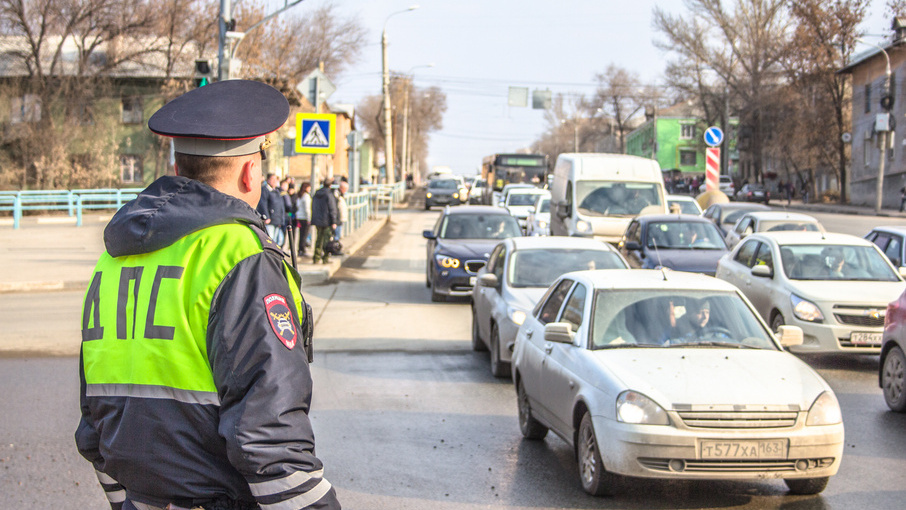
(690, 324)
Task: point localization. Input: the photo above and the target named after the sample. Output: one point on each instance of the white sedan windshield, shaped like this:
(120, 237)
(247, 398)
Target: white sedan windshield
(539, 268)
(835, 262)
(662, 318)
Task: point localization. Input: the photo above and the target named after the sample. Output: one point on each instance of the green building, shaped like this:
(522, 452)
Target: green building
(674, 137)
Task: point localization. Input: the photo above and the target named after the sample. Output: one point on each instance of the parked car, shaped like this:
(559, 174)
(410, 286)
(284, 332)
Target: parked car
(521, 202)
(753, 193)
(444, 191)
(687, 205)
(891, 241)
(725, 215)
(538, 222)
(725, 185)
(834, 286)
(770, 221)
(892, 371)
(459, 246)
(683, 242)
(518, 273)
(671, 375)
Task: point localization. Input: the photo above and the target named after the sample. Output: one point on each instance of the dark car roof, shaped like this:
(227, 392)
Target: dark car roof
(665, 218)
(477, 209)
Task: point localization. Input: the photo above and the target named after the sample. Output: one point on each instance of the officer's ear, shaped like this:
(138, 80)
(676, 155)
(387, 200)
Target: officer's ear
(250, 176)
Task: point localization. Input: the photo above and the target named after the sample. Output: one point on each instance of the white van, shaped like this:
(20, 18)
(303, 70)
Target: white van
(596, 195)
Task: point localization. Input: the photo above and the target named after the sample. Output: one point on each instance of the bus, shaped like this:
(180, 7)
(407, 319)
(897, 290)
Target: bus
(498, 170)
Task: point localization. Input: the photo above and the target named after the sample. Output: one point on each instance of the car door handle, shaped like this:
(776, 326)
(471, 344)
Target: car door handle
(529, 333)
(572, 384)
(548, 348)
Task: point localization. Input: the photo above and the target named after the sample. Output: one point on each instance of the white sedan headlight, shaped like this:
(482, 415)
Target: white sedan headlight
(633, 407)
(583, 226)
(825, 411)
(805, 310)
(517, 316)
(542, 224)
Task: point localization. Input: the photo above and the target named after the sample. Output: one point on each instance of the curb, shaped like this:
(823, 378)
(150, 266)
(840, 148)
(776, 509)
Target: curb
(319, 276)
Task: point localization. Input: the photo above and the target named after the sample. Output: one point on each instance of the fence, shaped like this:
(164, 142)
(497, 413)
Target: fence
(71, 201)
(362, 206)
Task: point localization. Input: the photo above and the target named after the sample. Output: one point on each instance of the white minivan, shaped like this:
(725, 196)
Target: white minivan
(596, 195)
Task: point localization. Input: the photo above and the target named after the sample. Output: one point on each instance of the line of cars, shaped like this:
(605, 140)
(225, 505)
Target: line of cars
(622, 364)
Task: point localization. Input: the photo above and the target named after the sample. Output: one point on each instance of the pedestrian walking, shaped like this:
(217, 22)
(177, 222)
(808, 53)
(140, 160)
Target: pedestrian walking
(342, 209)
(195, 382)
(288, 194)
(789, 192)
(324, 217)
(303, 216)
(271, 207)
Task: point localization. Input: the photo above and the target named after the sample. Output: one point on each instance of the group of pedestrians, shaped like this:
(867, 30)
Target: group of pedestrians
(281, 207)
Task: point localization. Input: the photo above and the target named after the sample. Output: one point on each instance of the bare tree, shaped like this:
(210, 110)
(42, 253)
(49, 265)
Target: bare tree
(289, 47)
(822, 43)
(743, 47)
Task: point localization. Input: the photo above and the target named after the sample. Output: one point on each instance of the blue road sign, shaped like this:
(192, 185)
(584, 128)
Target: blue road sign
(714, 136)
(315, 133)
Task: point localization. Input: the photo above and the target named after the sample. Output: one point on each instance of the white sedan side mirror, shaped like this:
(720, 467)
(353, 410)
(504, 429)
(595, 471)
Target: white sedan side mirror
(902, 271)
(790, 336)
(559, 332)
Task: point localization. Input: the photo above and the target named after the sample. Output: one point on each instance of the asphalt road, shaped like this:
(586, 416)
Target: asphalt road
(406, 415)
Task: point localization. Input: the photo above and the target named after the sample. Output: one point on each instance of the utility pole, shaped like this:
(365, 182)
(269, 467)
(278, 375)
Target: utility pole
(223, 27)
(388, 114)
(314, 157)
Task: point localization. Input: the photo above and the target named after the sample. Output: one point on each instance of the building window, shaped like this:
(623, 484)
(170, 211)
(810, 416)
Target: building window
(687, 131)
(131, 168)
(688, 158)
(25, 109)
(132, 110)
(868, 98)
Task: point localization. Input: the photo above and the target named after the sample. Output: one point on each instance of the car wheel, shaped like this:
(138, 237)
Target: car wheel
(596, 480)
(477, 343)
(428, 275)
(893, 380)
(776, 322)
(806, 485)
(498, 368)
(436, 297)
(530, 427)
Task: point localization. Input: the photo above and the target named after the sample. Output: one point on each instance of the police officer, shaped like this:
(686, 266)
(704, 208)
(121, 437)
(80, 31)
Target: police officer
(195, 383)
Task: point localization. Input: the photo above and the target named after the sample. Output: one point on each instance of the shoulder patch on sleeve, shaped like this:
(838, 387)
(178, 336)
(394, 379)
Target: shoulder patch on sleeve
(281, 319)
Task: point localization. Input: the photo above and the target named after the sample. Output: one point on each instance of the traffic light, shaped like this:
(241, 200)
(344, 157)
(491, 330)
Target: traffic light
(204, 72)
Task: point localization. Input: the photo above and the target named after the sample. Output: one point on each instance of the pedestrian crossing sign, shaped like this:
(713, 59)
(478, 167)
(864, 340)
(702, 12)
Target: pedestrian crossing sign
(316, 133)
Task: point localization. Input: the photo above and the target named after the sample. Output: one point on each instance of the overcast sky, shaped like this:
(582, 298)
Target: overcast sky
(481, 47)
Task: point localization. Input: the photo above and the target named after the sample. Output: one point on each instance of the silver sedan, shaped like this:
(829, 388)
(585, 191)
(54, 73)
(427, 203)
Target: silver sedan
(664, 374)
(518, 272)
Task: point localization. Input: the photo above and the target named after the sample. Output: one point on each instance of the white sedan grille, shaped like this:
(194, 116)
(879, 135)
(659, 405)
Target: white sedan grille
(739, 418)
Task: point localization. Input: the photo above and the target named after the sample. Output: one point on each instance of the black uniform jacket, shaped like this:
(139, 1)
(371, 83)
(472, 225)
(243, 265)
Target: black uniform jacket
(324, 212)
(256, 444)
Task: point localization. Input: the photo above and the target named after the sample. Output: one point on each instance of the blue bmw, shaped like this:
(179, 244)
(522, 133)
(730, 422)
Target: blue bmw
(460, 244)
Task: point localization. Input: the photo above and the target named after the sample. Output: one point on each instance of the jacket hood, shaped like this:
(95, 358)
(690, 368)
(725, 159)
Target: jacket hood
(169, 209)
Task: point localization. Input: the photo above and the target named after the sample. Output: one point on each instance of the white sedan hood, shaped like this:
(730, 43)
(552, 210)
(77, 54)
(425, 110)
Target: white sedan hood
(847, 292)
(712, 376)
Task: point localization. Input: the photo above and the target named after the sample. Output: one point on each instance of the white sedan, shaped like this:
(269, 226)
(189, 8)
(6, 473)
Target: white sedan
(771, 221)
(663, 374)
(834, 286)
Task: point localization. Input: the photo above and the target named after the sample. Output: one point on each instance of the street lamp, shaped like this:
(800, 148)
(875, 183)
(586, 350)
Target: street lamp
(886, 103)
(406, 142)
(388, 129)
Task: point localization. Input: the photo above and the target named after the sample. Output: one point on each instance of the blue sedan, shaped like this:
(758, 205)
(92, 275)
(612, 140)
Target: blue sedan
(460, 244)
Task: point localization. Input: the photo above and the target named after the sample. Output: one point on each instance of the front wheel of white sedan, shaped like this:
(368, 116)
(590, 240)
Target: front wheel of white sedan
(806, 486)
(596, 480)
(893, 380)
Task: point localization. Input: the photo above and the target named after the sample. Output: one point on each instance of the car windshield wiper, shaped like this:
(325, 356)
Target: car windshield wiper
(626, 346)
(709, 343)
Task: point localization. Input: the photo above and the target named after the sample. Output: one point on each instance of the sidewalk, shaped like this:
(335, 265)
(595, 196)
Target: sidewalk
(837, 208)
(49, 253)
